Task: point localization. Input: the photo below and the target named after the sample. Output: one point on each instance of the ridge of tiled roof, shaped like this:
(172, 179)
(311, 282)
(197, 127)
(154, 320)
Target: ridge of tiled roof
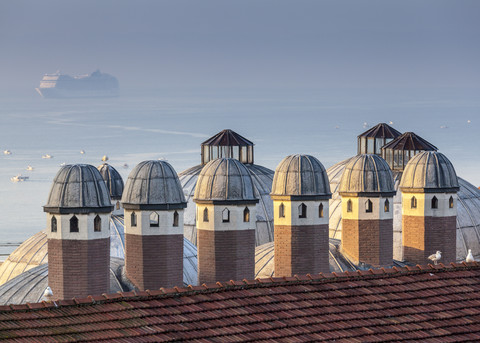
(176, 291)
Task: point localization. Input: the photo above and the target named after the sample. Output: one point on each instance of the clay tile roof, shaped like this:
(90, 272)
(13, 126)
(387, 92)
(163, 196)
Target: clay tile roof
(430, 303)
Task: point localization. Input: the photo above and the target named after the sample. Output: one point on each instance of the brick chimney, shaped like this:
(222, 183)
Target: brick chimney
(153, 202)
(300, 194)
(367, 192)
(225, 200)
(114, 183)
(78, 233)
(429, 188)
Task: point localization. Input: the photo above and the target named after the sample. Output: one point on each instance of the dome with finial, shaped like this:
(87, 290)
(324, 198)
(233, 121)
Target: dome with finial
(225, 180)
(113, 180)
(429, 171)
(301, 176)
(78, 188)
(367, 175)
(153, 185)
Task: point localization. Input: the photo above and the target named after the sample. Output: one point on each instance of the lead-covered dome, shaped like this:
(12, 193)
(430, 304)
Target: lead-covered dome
(429, 171)
(367, 174)
(78, 188)
(225, 180)
(153, 185)
(113, 180)
(301, 176)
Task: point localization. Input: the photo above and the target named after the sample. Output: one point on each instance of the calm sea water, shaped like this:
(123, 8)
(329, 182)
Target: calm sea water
(171, 124)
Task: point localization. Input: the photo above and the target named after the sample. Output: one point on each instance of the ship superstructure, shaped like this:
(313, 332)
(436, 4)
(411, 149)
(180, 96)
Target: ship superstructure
(96, 84)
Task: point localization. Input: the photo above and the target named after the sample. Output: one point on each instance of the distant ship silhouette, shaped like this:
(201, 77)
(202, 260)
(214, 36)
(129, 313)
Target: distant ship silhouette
(92, 85)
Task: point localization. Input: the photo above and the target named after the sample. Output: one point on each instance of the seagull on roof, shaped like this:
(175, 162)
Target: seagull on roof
(469, 257)
(435, 257)
(48, 294)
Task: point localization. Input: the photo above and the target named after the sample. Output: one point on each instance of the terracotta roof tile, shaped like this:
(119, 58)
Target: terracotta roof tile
(430, 303)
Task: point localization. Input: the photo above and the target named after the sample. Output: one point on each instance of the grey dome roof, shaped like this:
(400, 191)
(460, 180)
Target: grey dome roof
(113, 180)
(225, 180)
(368, 175)
(153, 185)
(78, 188)
(301, 176)
(429, 171)
(262, 182)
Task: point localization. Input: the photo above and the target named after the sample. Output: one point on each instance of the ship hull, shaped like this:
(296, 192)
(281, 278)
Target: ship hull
(56, 93)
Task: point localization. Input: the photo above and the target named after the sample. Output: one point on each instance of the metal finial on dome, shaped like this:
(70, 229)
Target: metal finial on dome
(78, 188)
(153, 185)
(429, 171)
(112, 179)
(227, 144)
(225, 181)
(367, 175)
(301, 176)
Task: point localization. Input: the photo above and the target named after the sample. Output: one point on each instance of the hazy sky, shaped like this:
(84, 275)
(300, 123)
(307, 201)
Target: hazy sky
(247, 43)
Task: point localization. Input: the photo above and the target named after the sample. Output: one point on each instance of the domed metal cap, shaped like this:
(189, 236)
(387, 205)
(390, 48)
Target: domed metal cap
(367, 175)
(301, 177)
(429, 172)
(78, 188)
(113, 180)
(153, 185)
(225, 181)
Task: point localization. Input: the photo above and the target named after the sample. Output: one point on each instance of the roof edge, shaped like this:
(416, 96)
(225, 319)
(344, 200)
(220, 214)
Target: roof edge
(381, 273)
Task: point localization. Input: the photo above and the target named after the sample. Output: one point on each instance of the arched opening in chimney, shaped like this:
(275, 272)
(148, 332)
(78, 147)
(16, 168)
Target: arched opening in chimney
(226, 215)
(97, 224)
(154, 219)
(175, 219)
(246, 215)
(53, 224)
(302, 211)
(74, 224)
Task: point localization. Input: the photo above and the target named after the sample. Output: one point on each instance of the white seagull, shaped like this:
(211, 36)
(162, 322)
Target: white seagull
(469, 256)
(48, 294)
(435, 257)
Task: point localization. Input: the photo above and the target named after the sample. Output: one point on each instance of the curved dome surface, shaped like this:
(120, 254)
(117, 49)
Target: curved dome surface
(429, 171)
(112, 179)
(153, 184)
(367, 174)
(265, 260)
(262, 183)
(34, 252)
(30, 285)
(300, 175)
(468, 213)
(225, 180)
(78, 188)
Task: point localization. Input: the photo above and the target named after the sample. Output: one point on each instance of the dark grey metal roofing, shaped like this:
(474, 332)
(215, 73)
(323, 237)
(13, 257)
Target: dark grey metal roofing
(381, 130)
(367, 175)
(262, 182)
(153, 185)
(227, 138)
(225, 180)
(429, 171)
(113, 180)
(78, 188)
(410, 141)
(301, 176)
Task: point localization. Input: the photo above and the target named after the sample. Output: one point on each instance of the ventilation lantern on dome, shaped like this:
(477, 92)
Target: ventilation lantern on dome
(227, 144)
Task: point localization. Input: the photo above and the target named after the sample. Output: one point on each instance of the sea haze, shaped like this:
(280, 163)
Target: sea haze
(171, 124)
